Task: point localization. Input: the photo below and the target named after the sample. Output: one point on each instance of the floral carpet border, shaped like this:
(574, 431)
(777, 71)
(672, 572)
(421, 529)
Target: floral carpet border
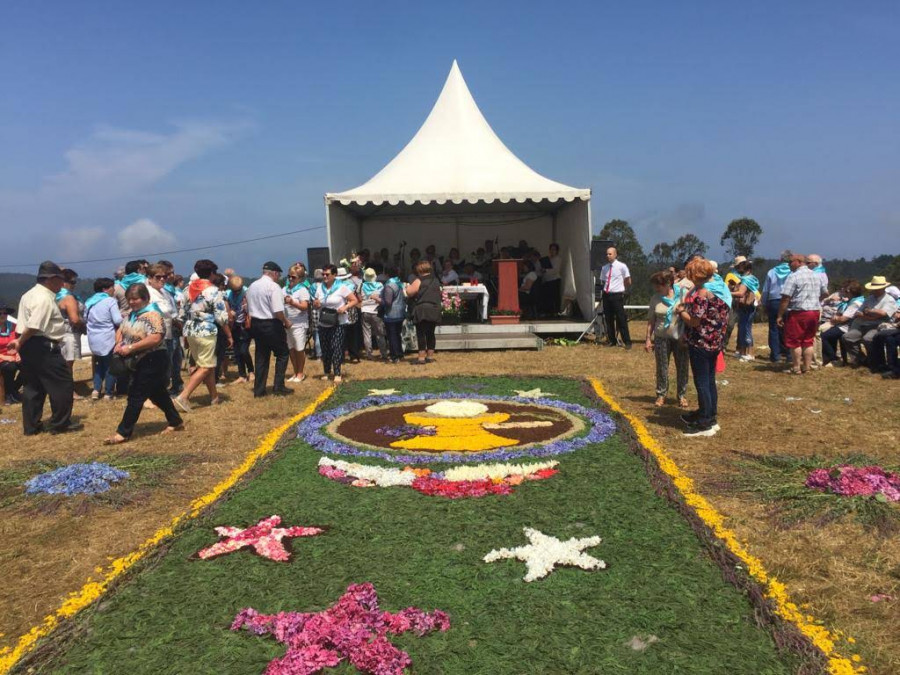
(94, 589)
(769, 595)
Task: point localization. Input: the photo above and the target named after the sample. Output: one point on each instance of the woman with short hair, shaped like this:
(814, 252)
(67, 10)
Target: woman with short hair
(426, 311)
(141, 340)
(73, 311)
(103, 318)
(745, 294)
(664, 338)
(333, 300)
(394, 302)
(203, 315)
(705, 315)
(296, 310)
(839, 324)
(236, 297)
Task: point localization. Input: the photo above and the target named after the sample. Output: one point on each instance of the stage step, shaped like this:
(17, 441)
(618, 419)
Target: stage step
(540, 327)
(496, 340)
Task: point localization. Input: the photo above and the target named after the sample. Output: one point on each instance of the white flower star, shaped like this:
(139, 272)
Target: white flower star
(383, 392)
(546, 552)
(532, 393)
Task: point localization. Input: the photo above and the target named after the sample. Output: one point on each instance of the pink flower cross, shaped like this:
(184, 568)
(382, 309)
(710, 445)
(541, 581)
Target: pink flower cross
(353, 628)
(265, 537)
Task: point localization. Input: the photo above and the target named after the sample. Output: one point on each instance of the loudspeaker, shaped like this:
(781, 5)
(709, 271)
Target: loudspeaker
(598, 252)
(317, 258)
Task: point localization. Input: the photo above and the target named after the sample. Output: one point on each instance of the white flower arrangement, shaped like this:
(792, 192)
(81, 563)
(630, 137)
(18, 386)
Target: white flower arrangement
(546, 552)
(378, 475)
(496, 471)
(457, 409)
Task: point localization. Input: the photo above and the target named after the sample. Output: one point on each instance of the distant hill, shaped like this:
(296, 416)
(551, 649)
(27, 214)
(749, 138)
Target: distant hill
(13, 286)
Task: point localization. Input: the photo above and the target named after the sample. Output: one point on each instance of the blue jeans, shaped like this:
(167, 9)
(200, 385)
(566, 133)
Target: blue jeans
(776, 335)
(745, 326)
(176, 355)
(703, 367)
(101, 374)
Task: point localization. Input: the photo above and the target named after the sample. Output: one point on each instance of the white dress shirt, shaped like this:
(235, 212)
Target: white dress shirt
(264, 298)
(613, 276)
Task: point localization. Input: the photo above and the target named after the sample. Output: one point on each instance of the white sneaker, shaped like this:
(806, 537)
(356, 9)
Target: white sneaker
(181, 404)
(293, 379)
(701, 431)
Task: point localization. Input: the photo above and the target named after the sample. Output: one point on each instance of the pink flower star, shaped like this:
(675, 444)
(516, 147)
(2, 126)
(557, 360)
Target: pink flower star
(265, 538)
(353, 628)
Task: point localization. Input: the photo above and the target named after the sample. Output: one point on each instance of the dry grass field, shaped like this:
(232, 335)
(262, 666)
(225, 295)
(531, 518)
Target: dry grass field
(832, 568)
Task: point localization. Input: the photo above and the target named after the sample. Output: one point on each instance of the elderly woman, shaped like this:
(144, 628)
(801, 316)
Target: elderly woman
(333, 299)
(141, 339)
(745, 301)
(425, 293)
(394, 302)
(203, 315)
(10, 375)
(72, 310)
(834, 329)
(296, 309)
(236, 297)
(705, 315)
(664, 340)
(101, 313)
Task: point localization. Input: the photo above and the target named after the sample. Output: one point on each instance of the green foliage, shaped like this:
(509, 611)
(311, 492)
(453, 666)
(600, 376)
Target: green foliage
(891, 268)
(741, 237)
(673, 255)
(427, 552)
(622, 235)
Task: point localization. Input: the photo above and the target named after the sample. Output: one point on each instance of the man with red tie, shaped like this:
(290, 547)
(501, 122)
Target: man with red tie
(616, 280)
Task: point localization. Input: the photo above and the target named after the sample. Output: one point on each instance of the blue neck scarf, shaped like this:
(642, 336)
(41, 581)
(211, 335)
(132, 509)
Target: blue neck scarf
(782, 271)
(371, 287)
(94, 299)
(171, 290)
(7, 329)
(234, 299)
(293, 289)
(858, 300)
(130, 280)
(63, 292)
(152, 307)
(719, 288)
(751, 282)
(670, 304)
(820, 269)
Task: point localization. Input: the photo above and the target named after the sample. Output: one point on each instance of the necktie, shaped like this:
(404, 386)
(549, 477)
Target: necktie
(609, 278)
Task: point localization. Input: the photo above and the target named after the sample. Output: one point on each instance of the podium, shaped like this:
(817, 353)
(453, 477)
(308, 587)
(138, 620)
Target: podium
(507, 271)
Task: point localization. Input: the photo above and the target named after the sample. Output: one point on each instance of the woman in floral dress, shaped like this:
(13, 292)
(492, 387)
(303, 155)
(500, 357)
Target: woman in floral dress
(140, 338)
(705, 315)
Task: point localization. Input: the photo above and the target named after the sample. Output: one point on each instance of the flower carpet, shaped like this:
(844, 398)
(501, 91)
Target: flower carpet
(548, 553)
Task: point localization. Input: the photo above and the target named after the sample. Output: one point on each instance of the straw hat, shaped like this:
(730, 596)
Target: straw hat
(877, 284)
(369, 274)
(342, 273)
(738, 260)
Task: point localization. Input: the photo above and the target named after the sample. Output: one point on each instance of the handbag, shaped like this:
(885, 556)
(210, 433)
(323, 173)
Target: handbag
(328, 317)
(121, 366)
(675, 329)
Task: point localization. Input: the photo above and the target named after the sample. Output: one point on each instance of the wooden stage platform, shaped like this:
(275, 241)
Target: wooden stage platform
(524, 335)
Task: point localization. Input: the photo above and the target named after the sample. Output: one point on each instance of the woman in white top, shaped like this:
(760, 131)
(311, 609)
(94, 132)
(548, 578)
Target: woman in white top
(296, 310)
(449, 276)
(333, 299)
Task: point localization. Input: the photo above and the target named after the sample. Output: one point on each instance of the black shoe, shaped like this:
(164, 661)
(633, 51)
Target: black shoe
(38, 428)
(282, 391)
(691, 417)
(262, 395)
(701, 430)
(891, 375)
(628, 346)
(72, 426)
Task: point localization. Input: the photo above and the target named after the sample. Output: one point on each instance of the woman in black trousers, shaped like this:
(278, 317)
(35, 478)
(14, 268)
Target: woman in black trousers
(141, 336)
(426, 313)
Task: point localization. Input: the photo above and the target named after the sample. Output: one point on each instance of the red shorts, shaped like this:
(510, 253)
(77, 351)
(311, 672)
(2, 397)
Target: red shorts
(800, 329)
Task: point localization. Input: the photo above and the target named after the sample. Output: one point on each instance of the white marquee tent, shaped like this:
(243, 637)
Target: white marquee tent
(456, 184)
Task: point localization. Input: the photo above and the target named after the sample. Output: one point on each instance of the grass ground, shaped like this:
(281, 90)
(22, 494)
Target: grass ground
(426, 551)
(833, 569)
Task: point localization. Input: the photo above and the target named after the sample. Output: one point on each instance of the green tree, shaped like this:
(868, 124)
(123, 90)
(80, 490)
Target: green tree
(741, 237)
(622, 235)
(891, 270)
(661, 256)
(686, 246)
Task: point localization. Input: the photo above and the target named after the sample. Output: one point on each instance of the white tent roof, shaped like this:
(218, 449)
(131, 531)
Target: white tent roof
(456, 156)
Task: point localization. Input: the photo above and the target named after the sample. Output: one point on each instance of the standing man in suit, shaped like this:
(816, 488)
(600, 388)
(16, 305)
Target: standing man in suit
(616, 279)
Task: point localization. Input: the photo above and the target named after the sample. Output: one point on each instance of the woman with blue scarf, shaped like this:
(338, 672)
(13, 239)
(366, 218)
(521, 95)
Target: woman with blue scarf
(664, 338)
(393, 301)
(142, 346)
(101, 313)
(746, 308)
(372, 323)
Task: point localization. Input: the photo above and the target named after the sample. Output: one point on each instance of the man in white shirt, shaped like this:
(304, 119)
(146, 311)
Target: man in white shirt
(269, 326)
(615, 279)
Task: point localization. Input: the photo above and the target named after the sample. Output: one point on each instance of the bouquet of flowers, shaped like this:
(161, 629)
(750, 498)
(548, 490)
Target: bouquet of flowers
(451, 304)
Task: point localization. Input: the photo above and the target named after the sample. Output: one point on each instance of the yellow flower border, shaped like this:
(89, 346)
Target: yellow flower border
(94, 589)
(774, 590)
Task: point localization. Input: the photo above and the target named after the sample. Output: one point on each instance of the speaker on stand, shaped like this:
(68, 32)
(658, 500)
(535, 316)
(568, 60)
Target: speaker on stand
(598, 260)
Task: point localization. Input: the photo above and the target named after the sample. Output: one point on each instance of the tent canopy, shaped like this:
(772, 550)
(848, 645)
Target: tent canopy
(456, 157)
(456, 184)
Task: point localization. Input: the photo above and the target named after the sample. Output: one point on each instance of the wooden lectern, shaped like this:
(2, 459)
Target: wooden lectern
(507, 271)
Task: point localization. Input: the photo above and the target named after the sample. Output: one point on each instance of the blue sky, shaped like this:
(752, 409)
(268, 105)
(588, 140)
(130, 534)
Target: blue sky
(218, 121)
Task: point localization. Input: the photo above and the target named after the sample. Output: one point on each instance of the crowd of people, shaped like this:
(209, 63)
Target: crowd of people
(148, 325)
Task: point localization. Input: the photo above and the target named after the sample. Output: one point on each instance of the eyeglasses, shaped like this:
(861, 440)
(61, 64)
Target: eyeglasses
(161, 276)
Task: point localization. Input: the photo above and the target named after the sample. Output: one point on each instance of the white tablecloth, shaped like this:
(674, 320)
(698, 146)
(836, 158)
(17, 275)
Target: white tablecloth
(480, 292)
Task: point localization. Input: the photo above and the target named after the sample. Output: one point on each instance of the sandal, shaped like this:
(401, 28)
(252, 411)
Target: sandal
(170, 430)
(660, 401)
(325, 377)
(683, 403)
(115, 440)
(793, 371)
(338, 379)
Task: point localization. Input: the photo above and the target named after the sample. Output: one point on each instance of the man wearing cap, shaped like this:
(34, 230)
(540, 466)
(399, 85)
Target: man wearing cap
(268, 326)
(44, 370)
(878, 307)
(798, 312)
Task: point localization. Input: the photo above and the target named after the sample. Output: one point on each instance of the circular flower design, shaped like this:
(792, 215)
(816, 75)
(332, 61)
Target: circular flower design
(494, 440)
(457, 409)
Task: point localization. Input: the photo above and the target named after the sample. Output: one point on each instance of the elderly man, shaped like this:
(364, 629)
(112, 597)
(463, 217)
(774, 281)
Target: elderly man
(771, 300)
(814, 262)
(615, 279)
(269, 326)
(877, 308)
(44, 370)
(798, 312)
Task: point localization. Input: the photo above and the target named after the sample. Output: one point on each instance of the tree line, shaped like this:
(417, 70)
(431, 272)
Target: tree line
(740, 237)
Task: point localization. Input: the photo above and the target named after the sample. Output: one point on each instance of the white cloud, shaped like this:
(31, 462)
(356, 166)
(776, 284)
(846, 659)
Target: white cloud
(113, 162)
(80, 242)
(144, 237)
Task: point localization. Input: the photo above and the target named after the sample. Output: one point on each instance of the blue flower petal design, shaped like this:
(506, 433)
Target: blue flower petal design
(76, 479)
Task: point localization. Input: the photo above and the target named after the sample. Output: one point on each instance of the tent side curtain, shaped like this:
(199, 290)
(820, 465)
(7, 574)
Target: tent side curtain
(573, 233)
(343, 232)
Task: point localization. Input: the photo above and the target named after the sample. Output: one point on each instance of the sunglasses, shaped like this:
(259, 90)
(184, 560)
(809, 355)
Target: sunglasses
(326, 274)
(161, 276)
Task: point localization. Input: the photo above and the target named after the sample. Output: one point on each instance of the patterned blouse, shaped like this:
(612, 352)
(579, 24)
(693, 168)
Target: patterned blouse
(138, 326)
(202, 317)
(713, 313)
